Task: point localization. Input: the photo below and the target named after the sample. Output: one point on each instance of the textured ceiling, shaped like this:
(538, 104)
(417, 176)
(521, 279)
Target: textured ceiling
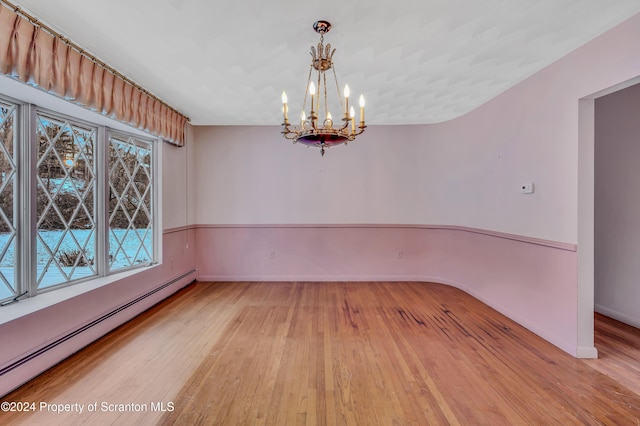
(416, 61)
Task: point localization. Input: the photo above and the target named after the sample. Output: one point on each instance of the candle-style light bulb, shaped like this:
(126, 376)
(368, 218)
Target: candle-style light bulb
(285, 108)
(303, 118)
(329, 120)
(346, 93)
(352, 114)
(361, 109)
(312, 92)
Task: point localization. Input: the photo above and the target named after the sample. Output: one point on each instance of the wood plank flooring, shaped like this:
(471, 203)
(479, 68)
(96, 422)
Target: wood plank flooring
(373, 353)
(618, 351)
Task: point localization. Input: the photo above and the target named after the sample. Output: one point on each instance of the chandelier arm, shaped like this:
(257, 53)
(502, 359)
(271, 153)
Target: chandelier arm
(345, 125)
(290, 136)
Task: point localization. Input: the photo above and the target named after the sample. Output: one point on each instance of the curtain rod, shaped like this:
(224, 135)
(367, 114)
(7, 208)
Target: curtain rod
(17, 9)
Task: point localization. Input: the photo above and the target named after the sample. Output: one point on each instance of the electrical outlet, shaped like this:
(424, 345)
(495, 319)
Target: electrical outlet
(400, 254)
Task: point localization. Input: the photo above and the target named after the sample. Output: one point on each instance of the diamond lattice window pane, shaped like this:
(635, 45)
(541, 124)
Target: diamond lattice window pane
(66, 222)
(8, 285)
(130, 218)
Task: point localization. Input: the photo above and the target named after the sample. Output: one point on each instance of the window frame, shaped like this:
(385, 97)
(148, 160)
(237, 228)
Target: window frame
(25, 196)
(153, 194)
(15, 206)
(42, 112)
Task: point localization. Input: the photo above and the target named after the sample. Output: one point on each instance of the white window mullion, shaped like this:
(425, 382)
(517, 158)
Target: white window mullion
(27, 201)
(102, 202)
(156, 211)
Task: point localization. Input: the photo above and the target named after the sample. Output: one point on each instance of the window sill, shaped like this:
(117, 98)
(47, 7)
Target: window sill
(43, 301)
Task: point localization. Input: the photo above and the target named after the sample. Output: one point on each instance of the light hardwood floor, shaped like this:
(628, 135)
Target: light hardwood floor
(335, 353)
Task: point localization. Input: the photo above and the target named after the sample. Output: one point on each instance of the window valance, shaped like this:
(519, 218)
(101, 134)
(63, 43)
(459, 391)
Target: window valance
(37, 55)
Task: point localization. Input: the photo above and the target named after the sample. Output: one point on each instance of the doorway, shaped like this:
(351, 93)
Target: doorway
(597, 208)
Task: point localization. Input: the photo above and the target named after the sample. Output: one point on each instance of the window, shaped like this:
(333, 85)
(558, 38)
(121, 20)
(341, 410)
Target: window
(8, 208)
(130, 219)
(65, 201)
(76, 200)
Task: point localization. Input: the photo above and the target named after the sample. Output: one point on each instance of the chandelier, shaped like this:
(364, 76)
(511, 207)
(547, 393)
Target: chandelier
(318, 129)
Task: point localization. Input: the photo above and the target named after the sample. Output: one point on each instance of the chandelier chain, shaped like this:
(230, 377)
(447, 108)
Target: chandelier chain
(318, 96)
(326, 105)
(335, 78)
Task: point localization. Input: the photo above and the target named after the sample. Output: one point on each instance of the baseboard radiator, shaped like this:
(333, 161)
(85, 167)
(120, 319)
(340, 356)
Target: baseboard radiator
(92, 324)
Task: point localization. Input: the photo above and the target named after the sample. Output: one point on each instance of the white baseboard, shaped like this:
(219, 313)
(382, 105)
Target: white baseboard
(619, 316)
(587, 352)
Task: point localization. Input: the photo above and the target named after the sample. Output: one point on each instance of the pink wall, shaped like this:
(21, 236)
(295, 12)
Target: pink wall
(466, 172)
(526, 279)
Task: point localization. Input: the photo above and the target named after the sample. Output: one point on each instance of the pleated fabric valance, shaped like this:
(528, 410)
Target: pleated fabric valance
(46, 60)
